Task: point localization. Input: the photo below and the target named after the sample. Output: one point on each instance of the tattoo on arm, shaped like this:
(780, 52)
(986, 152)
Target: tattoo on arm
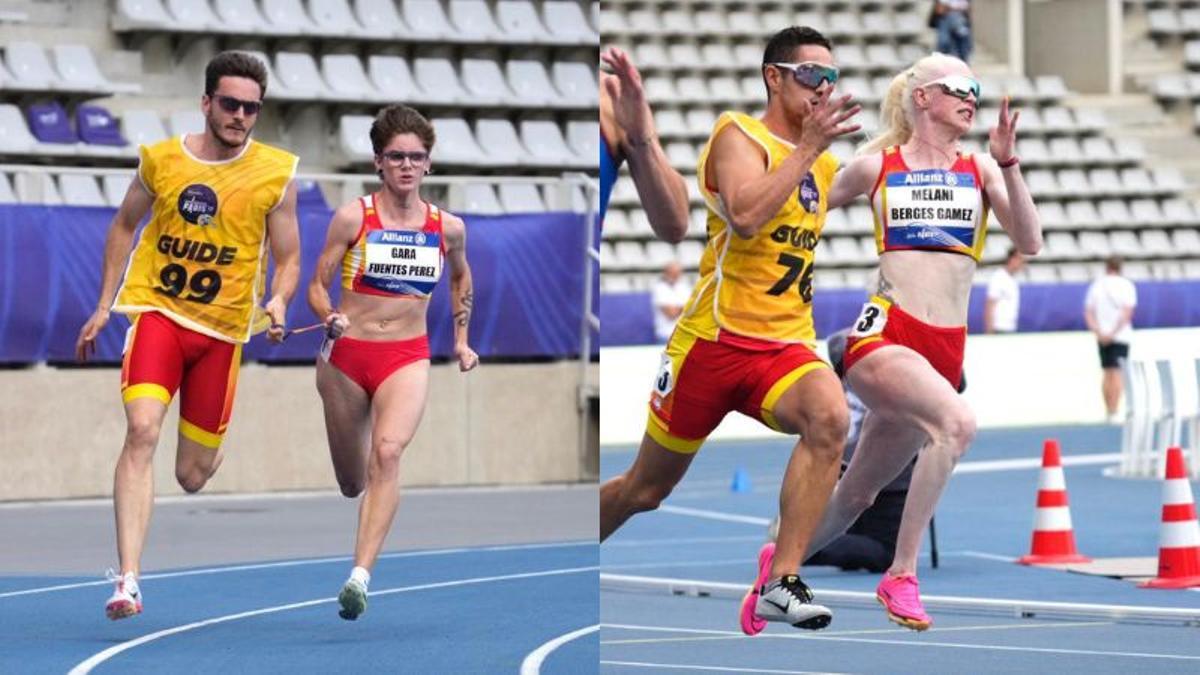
(463, 316)
(884, 290)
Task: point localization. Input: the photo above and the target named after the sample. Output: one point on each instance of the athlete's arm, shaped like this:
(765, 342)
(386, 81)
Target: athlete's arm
(1006, 189)
(462, 292)
(854, 179)
(661, 189)
(737, 166)
(343, 229)
(283, 232)
(117, 245)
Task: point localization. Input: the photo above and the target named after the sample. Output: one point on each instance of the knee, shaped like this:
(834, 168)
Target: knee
(141, 435)
(191, 479)
(385, 455)
(826, 431)
(645, 496)
(958, 430)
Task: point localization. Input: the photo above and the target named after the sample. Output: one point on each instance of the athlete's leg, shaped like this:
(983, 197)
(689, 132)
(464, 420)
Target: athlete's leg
(898, 384)
(206, 397)
(347, 426)
(644, 485)
(814, 407)
(133, 480)
(1111, 388)
(884, 448)
(396, 411)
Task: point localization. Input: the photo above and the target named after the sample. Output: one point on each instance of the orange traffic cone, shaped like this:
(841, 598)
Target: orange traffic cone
(1053, 538)
(1179, 541)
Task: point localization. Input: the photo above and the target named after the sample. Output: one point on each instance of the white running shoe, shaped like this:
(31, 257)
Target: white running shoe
(126, 599)
(787, 599)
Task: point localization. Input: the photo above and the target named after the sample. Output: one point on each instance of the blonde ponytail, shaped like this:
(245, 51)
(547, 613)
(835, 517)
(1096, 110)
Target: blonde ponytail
(896, 112)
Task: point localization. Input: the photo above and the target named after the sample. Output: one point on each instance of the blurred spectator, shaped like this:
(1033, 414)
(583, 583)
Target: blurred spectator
(1108, 311)
(1004, 296)
(670, 294)
(952, 21)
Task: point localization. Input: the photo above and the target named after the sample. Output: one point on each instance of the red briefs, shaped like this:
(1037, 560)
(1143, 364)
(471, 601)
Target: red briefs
(700, 381)
(370, 362)
(882, 323)
(162, 357)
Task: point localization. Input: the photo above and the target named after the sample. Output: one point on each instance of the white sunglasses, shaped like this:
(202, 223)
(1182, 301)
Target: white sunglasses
(958, 86)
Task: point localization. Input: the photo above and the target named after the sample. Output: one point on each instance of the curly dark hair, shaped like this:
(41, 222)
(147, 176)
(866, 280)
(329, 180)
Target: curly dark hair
(400, 119)
(234, 64)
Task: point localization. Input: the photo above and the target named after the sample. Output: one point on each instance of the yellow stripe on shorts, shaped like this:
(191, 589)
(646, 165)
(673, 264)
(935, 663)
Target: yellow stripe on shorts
(781, 385)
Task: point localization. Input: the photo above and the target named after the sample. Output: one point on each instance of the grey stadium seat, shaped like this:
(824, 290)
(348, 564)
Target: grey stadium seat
(480, 198)
(456, 144)
(132, 14)
(472, 19)
(486, 84)
(520, 22)
(500, 142)
(528, 79)
(566, 22)
(521, 198)
(186, 122)
(29, 66)
(287, 17)
(379, 18)
(192, 15)
(240, 16)
(76, 66)
(353, 138)
(115, 186)
(347, 79)
(142, 127)
(426, 19)
(80, 189)
(546, 145)
(575, 82)
(299, 75)
(334, 17)
(390, 74)
(438, 80)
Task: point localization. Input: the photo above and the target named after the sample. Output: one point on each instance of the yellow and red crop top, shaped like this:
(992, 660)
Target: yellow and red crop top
(929, 209)
(394, 263)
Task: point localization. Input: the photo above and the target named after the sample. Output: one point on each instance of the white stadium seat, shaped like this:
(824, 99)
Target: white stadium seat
(521, 198)
(480, 199)
(473, 20)
(438, 80)
(80, 189)
(347, 79)
(500, 143)
(299, 75)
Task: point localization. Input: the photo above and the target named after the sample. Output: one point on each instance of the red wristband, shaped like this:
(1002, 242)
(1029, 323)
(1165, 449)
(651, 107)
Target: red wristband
(1011, 161)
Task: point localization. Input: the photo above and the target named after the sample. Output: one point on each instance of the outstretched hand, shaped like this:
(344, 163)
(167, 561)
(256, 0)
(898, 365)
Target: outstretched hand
(826, 119)
(624, 89)
(1002, 139)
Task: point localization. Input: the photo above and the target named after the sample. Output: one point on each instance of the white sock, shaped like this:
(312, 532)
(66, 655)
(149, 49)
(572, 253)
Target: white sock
(361, 575)
(131, 584)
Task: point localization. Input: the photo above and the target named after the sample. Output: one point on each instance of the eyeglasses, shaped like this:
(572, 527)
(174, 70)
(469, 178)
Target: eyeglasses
(958, 86)
(231, 105)
(810, 73)
(397, 157)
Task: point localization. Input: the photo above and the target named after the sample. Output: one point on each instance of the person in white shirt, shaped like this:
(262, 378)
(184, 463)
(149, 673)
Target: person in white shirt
(1108, 311)
(1004, 296)
(670, 294)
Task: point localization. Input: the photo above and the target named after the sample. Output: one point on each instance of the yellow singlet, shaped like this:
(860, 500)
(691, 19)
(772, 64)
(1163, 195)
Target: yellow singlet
(201, 260)
(760, 287)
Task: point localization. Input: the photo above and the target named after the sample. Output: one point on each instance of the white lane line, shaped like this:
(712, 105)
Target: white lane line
(920, 643)
(86, 666)
(985, 466)
(730, 635)
(714, 515)
(642, 543)
(295, 563)
(692, 563)
(986, 556)
(718, 669)
(532, 665)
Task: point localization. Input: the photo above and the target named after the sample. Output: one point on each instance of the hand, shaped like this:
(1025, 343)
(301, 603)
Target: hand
(1104, 340)
(277, 310)
(336, 325)
(824, 120)
(1002, 139)
(85, 345)
(467, 358)
(628, 96)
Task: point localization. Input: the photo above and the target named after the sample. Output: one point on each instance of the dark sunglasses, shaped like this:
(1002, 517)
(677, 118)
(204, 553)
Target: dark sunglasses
(230, 104)
(810, 74)
(397, 157)
(958, 86)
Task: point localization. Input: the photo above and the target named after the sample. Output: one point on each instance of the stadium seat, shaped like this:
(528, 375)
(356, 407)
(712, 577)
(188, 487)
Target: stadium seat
(379, 18)
(485, 82)
(276, 88)
(1154, 244)
(500, 143)
(1115, 213)
(521, 198)
(189, 121)
(456, 144)
(670, 123)
(115, 187)
(392, 77)
(347, 79)
(546, 145)
(239, 16)
(334, 17)
(566, 22)
(1185, 242)
(438, 80)
(29, 66)
(142, 127)
(480, 199)
(37, 188)
(50, 126)
(1146, 212)
(584, 138)
(99, 131)
(353, 138)
(14, 132)
(426, 19)
(77, 69)
(141, 14)
(299, 75)
(473, 20)
(80, 189)
(191, 16)
(520, 22)
(575, 82)
(287, 17)
(528, 79)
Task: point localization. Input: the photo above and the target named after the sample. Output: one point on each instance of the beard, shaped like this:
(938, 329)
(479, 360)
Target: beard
(217, 130)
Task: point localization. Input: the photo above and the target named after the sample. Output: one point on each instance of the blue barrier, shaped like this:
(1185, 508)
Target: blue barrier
(628, 318)
(528, 273)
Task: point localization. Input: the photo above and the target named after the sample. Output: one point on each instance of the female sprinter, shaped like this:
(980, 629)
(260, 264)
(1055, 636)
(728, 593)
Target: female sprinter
(373, 369)
(905, 351)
